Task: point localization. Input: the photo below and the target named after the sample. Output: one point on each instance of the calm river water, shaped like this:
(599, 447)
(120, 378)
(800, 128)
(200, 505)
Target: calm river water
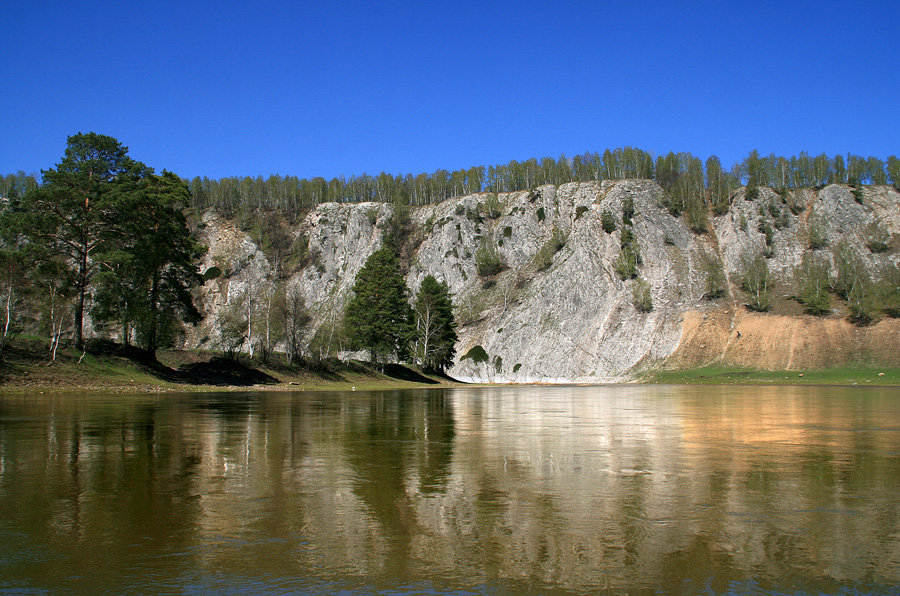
(618, 489)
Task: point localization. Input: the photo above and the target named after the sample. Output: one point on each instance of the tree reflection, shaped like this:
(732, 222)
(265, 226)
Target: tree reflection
(400, 448)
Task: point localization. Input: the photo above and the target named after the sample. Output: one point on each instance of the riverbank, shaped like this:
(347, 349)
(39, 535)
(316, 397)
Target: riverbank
(848, 376)
(108, 367)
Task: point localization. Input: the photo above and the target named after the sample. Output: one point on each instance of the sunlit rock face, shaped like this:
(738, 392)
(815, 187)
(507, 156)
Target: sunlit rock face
(567, 316)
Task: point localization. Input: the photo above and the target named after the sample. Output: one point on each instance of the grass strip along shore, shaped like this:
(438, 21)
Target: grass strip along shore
(106, 366)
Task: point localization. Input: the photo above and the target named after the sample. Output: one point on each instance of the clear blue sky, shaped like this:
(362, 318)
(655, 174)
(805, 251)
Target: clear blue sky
(329, 88)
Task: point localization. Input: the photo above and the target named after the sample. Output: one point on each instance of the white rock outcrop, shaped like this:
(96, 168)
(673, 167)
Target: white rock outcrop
(574, 320)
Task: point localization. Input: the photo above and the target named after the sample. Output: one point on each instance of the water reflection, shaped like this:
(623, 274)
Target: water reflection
(509, 489)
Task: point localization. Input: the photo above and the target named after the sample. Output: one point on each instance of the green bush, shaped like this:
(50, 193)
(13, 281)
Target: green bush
(544, 257)
(212, 273)
(477, 354)
(889, 291)
(626, 263)
(608, 221)
(507, 231)
(492, 208)
(815, 235)
(640, 295)
(755, 283)
(765, 228)
(714, 272)
(849, 270)
(877, 238)
(813, 283)
(487, 261)
(580, 211)
(627, 211)
(540, 214)
(861, 302)
(695, 218)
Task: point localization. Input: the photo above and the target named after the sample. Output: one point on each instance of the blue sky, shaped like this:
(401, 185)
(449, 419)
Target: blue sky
(330, 88)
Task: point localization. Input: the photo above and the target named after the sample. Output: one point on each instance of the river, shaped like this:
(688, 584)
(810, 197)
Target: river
(508, 490)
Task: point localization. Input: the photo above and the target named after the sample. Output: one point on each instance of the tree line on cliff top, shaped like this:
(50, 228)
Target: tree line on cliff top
(689, 181)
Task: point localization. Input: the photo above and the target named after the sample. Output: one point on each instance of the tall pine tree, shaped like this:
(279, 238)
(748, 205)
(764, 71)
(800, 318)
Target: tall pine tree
(69, 214)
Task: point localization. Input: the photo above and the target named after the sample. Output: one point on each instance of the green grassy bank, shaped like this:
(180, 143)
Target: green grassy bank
(738, 376)
(108, 367)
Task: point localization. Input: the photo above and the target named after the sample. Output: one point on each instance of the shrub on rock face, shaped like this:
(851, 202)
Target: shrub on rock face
(544, 257)
(627, 211)
(487, 261)
(640, 295)
(849, 270)
(608, 221)
(626, 263)
(877, 238)
(714, 273)
(889, 291)
(812, 279)
(815, 235)
(755, 283)
(477, 354)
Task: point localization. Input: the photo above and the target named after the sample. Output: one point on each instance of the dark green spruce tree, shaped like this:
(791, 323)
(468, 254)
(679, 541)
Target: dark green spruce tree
(435, 325)
(378, 317)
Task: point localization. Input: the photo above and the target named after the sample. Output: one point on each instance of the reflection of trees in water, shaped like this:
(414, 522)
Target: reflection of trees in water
(99, 487)
(405, 483)
(402, 436)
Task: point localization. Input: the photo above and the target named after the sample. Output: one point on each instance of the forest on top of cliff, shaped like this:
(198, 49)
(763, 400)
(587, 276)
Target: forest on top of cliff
(691, 183)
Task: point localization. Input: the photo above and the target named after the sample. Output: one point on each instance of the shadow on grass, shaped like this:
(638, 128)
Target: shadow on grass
(192, 367)
(217, 371)
(402, 373)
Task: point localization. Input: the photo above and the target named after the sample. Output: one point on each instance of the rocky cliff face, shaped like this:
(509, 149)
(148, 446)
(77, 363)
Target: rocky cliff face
(567, 315)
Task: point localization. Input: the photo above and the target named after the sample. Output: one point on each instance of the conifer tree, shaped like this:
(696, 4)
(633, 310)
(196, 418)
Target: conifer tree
(69, 214)
(378, 317)
(152, 258)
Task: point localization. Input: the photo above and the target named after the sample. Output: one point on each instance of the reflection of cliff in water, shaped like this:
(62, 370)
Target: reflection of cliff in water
(579, 488)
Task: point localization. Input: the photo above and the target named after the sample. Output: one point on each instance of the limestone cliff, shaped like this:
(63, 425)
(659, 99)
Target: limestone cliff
(565, 314)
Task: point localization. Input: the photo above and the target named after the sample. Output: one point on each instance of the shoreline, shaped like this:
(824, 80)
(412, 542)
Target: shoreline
(844, 377)
(109, 368)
